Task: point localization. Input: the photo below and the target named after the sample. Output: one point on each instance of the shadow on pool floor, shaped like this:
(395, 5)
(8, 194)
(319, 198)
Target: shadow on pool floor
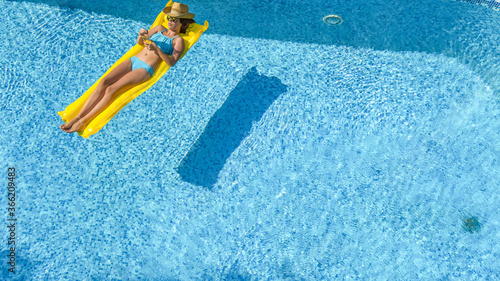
(15, 266)
(232, 122)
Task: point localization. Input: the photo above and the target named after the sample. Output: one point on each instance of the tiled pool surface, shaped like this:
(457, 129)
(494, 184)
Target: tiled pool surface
(354, 163)
(453, 28)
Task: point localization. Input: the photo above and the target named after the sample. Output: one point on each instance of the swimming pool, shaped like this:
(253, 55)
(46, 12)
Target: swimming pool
(346, 153)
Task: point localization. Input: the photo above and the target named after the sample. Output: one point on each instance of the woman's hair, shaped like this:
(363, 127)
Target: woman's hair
(185, 24)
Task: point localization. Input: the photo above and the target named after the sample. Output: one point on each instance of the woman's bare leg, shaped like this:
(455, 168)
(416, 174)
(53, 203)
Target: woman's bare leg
(113, 76)
(132, 78)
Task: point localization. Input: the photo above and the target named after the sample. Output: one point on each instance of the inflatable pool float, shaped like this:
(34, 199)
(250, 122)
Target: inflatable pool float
(125, 96)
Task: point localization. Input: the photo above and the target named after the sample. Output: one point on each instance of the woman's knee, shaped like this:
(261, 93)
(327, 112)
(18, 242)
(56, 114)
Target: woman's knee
(105, 82)
(110, 90)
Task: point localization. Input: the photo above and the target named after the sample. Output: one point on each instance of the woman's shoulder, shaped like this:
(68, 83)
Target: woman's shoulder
(178, 38)
(178, 43)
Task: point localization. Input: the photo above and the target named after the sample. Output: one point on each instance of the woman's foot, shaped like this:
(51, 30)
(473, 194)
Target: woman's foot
(67, 126)
(77, 126)
(72, 126)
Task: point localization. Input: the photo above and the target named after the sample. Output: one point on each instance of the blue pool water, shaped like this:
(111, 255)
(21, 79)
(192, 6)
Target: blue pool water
(259, 156)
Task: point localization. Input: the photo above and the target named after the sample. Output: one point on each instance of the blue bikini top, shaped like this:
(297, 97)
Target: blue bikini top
(164, 42)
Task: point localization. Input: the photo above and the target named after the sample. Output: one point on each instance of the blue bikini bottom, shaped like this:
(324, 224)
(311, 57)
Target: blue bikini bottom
(137, 63)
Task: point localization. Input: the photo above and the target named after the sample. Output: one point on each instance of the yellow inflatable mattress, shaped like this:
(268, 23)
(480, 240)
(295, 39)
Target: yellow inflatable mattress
(192, 35)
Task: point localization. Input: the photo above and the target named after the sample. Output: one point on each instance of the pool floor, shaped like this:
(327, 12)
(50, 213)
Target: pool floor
(251, 159)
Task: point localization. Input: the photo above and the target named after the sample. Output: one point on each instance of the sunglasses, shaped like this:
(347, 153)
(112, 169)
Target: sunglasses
(169, 18)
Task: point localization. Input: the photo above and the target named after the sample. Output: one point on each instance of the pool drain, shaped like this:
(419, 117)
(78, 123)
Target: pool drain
(333, 20)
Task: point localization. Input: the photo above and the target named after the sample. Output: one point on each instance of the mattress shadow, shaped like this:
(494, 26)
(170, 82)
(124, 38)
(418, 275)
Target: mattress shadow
(228, 127)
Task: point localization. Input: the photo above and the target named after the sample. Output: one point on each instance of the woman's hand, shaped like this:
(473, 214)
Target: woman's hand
(143, 36)
(152, 46)
(143, 32)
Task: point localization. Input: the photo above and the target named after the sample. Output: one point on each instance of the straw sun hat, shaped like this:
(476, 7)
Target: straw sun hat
(178, 10)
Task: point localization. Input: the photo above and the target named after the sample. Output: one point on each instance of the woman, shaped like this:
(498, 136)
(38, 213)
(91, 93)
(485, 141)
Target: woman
(160, 44)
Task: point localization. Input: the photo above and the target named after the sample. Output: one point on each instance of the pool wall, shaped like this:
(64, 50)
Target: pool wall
(493, 4)
(452, 28)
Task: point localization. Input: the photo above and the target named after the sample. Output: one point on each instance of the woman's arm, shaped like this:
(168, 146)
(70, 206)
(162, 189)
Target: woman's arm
(149, 33)
(178, 45)
(142, 32)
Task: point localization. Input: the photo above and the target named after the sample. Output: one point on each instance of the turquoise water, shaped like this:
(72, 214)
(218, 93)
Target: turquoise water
(252, 159)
